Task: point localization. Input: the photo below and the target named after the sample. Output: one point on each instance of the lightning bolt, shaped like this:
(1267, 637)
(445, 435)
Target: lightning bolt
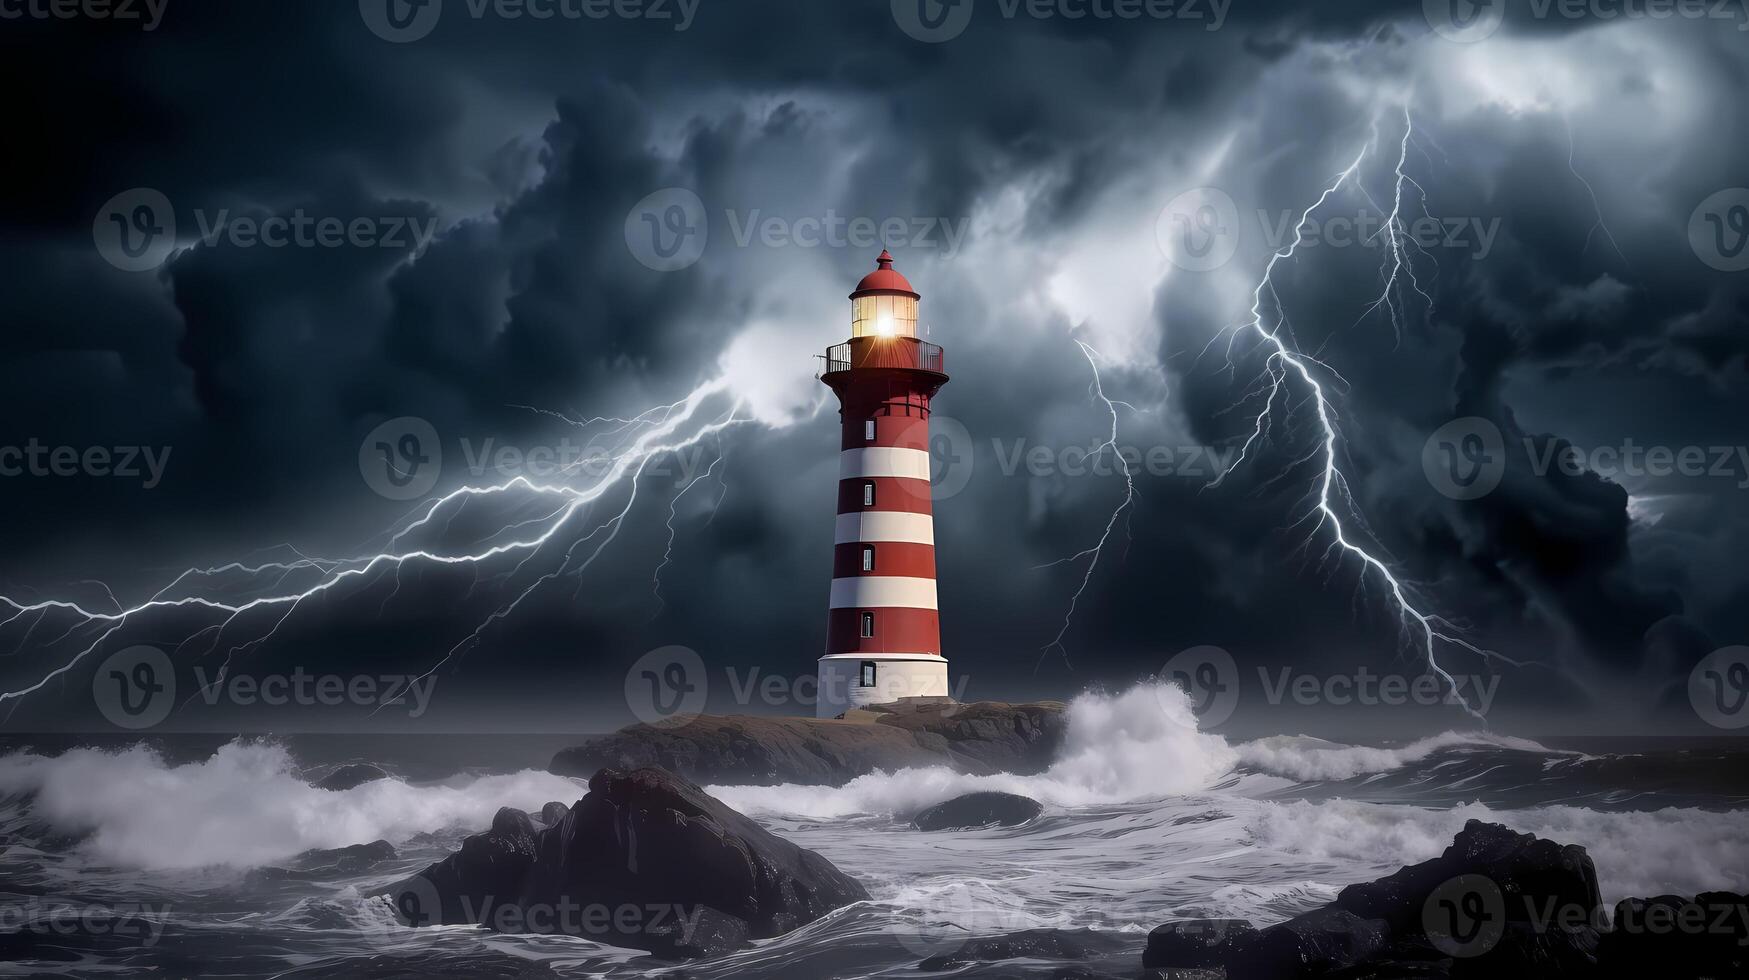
(662, 430)
(1121, 511)
(1285, 364)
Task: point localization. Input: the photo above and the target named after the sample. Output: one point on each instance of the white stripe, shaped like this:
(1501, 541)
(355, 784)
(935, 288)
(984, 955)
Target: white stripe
(885, 525)
(883, 461)
(874, 591)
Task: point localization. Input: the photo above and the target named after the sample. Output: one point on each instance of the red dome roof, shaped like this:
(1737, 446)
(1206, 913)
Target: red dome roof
(885, 279)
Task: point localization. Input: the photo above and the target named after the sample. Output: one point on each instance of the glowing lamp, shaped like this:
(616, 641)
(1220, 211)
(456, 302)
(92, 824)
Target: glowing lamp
(884, 304)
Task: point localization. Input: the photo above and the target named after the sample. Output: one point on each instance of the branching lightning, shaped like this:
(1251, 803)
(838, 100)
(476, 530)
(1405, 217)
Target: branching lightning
(1122, 510)
(278, 589)
(1284, 363)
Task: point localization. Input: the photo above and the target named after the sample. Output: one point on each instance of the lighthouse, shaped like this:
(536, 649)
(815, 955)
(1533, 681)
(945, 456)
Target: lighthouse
(883, 635)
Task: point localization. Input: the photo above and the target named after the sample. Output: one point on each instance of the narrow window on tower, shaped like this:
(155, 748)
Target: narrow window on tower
(868, 624)
(868, 494)
(868, 673)
(868, 559)
(868, 429)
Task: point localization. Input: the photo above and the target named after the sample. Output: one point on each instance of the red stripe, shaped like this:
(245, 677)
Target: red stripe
(890, 558)
(897, 431)
(897, 493)
(896, 631)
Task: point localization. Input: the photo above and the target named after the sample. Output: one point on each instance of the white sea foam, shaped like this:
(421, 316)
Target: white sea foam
(1305, 758)
(1669, 851)
(244, 806)
(1138, 745)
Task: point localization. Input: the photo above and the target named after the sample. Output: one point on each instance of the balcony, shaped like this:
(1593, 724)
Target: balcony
(884, 352)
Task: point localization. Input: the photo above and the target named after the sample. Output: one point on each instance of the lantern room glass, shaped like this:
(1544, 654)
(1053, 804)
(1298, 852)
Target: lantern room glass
(883, 315)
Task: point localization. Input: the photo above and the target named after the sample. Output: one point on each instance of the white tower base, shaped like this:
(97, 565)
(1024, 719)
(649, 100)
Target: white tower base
(896, 675)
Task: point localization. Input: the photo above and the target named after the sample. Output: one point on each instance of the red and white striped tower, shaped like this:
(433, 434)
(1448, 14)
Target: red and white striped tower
(883, 636)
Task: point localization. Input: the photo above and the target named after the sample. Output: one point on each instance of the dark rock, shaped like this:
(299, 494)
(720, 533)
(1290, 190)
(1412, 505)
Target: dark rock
(553, 812)
(1196, 942)
(978, 810)
(1677, 938)
(981, 738)
(347, 777)
(1044, 944)
(1312, 944)
(1516, 906)
(646, 860)
(1528, 872)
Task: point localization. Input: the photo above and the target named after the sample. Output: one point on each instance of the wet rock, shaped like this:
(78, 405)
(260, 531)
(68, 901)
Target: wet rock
(1677, 938)
(553, 812)
(1313, 944)
(646, 860)
(978, 810)
(1495, 904)
(1196, 942)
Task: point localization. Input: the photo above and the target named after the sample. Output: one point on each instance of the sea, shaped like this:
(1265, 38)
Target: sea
(125, 857)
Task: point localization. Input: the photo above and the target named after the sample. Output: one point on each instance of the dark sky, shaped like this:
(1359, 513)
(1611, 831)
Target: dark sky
(1574, 286)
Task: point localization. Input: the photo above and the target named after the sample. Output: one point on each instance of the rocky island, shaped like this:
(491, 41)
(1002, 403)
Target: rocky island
(981, 737)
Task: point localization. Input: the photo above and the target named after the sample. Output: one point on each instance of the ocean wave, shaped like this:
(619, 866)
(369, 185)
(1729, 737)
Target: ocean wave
(1638, 853)
(1307, 759)
(245, 806)
(1138, 745)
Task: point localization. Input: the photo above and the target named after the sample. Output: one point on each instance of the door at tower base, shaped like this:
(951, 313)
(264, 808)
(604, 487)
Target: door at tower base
(853, 680)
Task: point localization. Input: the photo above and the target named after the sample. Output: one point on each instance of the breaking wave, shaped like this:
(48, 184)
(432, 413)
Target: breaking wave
(243, 807)
(1138, 745)
(1308, 759)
